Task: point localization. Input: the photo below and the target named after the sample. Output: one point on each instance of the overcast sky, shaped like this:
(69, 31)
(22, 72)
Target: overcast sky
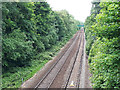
(80, 9)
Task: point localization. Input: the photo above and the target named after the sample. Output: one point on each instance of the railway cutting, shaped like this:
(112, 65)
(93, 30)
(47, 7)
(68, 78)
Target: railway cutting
(66, 70)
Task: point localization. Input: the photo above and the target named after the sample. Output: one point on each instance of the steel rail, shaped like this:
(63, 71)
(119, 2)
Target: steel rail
(54, 64)
(68, 78)
(58, 71)
(80, 67)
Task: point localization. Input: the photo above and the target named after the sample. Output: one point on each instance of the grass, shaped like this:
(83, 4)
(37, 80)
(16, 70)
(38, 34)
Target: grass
(17, 75)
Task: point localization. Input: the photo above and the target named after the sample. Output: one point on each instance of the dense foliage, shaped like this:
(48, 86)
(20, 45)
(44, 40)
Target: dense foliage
(103, 44)
(30, 30)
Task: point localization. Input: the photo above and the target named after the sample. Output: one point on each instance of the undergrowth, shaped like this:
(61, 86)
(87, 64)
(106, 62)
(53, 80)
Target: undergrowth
(15, 76)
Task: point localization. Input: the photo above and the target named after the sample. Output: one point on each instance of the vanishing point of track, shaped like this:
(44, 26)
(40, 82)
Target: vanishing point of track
(61, 73)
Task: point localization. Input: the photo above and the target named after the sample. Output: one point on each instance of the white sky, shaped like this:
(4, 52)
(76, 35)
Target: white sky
(80, 9)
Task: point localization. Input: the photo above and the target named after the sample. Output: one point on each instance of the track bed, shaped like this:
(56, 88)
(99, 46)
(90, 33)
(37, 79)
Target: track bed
(68, 68)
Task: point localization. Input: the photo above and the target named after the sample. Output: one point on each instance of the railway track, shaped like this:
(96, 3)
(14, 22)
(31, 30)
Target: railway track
(73, 79)
(61, 73)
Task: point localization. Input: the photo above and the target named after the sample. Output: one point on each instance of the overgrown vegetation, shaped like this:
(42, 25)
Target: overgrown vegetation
(17, 75)
(103, 44)
(32, 34)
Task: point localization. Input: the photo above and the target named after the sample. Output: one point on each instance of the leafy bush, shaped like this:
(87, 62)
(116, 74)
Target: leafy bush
(104, 63)
(90, 41)
(16, 50)
(32, 28)
(104, 53)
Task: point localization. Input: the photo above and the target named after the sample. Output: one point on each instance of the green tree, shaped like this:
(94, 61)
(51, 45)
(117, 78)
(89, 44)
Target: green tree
(104, 53)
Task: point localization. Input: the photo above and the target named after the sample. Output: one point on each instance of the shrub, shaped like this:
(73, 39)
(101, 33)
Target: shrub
(16, 50)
